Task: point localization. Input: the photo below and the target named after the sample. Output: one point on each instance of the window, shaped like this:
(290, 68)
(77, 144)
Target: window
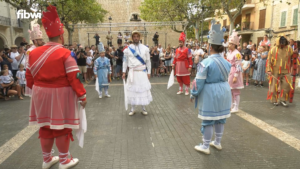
(295, 17)
(283, 19)
(135, 17)
(262, 19)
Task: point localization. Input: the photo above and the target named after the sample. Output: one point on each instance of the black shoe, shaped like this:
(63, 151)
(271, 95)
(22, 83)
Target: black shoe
(255, 84)
(284, 103)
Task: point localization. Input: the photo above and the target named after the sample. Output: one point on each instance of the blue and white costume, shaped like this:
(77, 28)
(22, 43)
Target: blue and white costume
(102, 69)
(212, 93)
(138, 85)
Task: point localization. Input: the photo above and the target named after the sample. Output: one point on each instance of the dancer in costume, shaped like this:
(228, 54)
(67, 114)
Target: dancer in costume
(52, 76)
(183, 65)
(211, 91)
(137, 58)
(102, 70)
(278, 69)
(36, 36)
(236, 77)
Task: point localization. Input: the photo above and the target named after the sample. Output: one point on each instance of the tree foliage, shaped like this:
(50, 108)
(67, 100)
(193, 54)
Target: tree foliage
(70, 11)
(174, 10)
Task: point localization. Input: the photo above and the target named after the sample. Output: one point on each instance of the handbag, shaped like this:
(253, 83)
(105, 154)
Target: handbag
(256, 64)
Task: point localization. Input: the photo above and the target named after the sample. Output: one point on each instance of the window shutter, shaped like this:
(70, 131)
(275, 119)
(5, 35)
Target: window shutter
(262, 19)
(283, 19)
(295, 17)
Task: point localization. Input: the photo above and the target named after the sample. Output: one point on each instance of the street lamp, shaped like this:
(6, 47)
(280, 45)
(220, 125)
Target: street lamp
(110, 19)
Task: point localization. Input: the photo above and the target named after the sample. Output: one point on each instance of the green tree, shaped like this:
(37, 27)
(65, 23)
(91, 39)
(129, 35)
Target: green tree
(176, 10)
(71, 12)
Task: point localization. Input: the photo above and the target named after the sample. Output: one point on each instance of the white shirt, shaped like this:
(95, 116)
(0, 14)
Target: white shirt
(198, 52)
(14, 64)
(6, 79)
(245, 63)
(92, 52)
(160, 50)
(21, 76)
(131, 61)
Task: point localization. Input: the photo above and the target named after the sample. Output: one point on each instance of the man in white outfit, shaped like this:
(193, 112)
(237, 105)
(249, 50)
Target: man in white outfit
(137, 59)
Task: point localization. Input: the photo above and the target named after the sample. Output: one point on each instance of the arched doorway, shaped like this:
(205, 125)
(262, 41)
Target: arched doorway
(18, 41)
(2, 43)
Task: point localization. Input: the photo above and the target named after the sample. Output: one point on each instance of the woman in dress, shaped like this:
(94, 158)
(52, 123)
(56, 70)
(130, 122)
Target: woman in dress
(259, 75)
(168, 58)
(212, 93)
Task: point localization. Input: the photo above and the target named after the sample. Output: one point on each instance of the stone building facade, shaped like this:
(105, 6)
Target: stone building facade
(124, 11)
(12, 30)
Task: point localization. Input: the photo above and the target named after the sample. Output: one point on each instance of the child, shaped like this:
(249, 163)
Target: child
(246, 68)
(89, 66)
(102, 70)
(5, 78)
(5, 67)
(162, 68)
(21, 78)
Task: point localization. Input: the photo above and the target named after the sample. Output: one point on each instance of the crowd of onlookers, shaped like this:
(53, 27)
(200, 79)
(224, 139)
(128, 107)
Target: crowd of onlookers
(12, 61)
(12, 66)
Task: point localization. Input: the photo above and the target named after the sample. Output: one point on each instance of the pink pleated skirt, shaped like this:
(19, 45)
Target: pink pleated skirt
(54, 107)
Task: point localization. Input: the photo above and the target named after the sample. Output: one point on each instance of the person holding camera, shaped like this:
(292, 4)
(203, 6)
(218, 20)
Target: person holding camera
(81, 62)
(5, 59)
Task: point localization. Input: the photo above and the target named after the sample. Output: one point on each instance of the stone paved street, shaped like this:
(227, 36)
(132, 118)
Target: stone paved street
(166, 137)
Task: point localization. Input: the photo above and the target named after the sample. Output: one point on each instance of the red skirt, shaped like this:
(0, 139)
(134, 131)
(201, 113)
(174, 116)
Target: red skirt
(54, 107)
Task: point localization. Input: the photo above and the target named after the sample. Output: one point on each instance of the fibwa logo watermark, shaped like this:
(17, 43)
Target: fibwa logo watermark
(22, 14)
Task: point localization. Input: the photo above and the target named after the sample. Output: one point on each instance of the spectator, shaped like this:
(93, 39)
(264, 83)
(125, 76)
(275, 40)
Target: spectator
(119, 61)
(6, 79)
(260, 68)
(198, 56)
(155, 61)
(109, 39)
(66, 46)
(92, 50)
(97, 37)
(23, 43)
(16, 57)
(155, 38)
(265, 41)
(110, 57)
(120, 37)
(21, 78)
(160, 49)
(250, 44)
(252, 60)
(168, 58)
(292, 44)
(126, 37)
(14, 89)
(245, 51)
(5, 60)
(162, 56)
(89, 65)
(246, 69)
(81, 62)
(239, 48)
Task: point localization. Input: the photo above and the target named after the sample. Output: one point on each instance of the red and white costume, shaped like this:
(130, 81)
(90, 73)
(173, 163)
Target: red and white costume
(36, 33)
(183, 61)
(52, 75)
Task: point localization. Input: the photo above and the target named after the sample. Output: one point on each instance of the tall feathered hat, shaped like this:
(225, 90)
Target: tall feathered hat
(36, 33)
(216, 34)
(182, 37)
(234, 38)
(51, 22)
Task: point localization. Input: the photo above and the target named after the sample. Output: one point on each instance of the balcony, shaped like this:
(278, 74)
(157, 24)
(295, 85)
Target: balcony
(246, 26)
(16, 23)
(4, 21)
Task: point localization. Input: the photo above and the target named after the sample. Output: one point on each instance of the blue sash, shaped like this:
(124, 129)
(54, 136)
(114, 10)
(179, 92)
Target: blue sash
(137, 56)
